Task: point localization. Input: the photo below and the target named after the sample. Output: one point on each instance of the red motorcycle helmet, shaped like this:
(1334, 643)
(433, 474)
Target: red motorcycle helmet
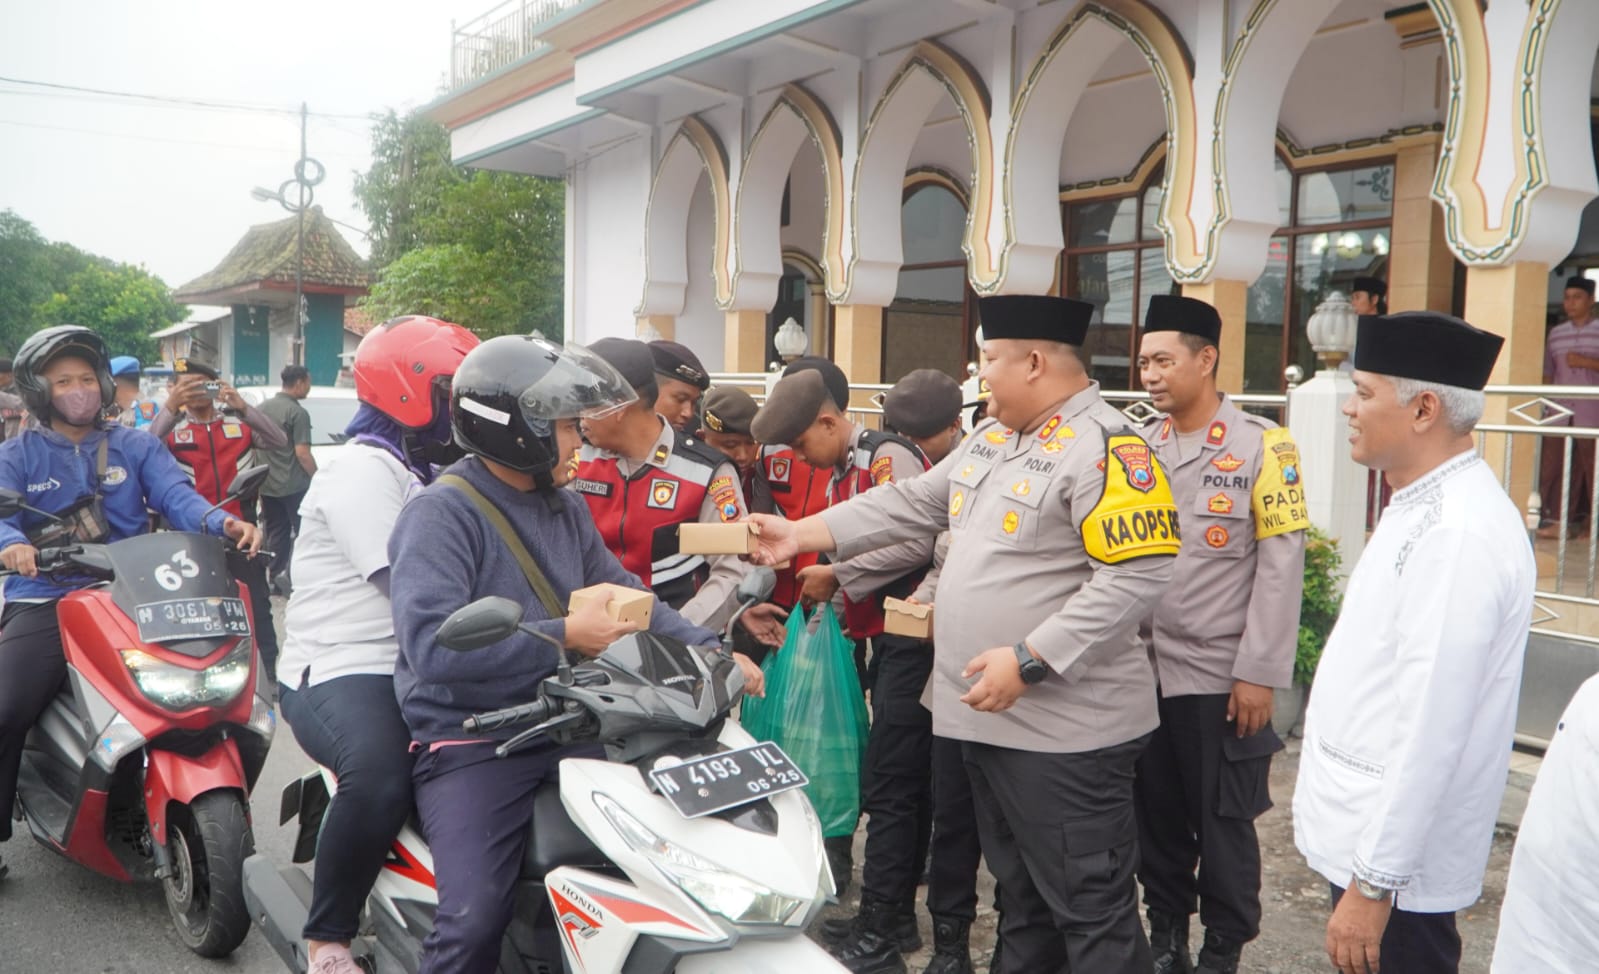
(401, 363)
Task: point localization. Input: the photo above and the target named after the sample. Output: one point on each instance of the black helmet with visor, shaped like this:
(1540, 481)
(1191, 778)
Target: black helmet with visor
(510, 391)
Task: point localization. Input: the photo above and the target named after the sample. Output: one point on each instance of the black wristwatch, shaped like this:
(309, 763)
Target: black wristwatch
(1033, 668)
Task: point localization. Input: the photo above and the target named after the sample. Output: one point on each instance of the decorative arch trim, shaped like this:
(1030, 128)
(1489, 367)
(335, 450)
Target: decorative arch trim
(966, 89)
(1466, 209)
(823, 132)
(1168, 58)
(814, 271)
(934, 176)
(692, 135)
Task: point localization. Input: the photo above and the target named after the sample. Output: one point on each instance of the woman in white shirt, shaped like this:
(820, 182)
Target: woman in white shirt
(336, 669)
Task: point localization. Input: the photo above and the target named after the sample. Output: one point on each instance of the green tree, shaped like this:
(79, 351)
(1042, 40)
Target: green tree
(479, 248)
(123, 304)
(24, 283)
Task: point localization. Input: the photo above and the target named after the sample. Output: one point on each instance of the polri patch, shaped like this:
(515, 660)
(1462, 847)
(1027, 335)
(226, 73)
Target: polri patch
(663, 494)
(778, 473)
(1216, 536)
(1221, 504)
(1136, 462)
(1227, 464)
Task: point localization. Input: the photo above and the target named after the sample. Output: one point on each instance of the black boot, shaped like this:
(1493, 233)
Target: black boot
(871, 946)
(906, 935)
(952, 948)
(1168, 940)
(841, 860)
(1219, 955)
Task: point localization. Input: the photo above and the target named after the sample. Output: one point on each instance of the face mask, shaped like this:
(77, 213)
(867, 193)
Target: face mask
(79, 407)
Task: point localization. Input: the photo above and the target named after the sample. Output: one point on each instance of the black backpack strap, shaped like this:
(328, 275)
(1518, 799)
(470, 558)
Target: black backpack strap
(530, 567)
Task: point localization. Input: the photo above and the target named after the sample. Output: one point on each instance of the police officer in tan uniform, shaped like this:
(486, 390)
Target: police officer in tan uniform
(1062, 537)
(1222, 638)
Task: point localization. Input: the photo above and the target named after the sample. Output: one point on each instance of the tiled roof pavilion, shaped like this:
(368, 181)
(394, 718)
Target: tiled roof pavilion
(263, 261)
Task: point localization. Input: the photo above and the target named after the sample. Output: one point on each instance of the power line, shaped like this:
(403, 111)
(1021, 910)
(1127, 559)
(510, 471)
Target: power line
(168, 100)
(144, 138)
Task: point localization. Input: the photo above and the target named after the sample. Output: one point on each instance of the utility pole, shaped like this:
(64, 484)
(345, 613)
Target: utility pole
(299, 245)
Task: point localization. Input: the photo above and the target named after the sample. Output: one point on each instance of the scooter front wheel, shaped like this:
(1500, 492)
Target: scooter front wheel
(208, 842)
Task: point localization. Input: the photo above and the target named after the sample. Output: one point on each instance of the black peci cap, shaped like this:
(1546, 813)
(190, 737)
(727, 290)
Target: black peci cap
(1580, 283)
(1373, 286)
(1427, 346)
(1035, 317)
(676, 361)
(1191, 316)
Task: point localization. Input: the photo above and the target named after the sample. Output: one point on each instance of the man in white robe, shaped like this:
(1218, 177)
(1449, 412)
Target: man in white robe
(1550, 920)
(1408, 734)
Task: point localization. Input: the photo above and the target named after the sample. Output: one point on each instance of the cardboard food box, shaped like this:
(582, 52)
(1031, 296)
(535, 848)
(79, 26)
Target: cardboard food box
(717, 539)
(902, 618)
(621, 603)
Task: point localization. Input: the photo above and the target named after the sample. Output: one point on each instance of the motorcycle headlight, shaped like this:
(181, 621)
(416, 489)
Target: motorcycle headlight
(176, 687)
(717, 889)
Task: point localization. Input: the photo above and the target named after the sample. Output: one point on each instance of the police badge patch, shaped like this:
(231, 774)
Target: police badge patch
(1135, 459)
(663, 495)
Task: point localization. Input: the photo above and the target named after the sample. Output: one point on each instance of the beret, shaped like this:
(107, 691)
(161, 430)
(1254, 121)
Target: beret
(1191, 316)
(676, 362)
(923, 403)
(728, 409)
(628, 356)
(1427, 346)
(791, 408)
(1035, 317)
(832, 376)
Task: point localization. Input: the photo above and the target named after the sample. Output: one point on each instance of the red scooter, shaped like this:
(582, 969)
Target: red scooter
(142, 765)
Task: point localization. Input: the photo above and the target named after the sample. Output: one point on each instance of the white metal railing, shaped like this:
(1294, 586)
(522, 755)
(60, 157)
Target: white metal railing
(501, 37)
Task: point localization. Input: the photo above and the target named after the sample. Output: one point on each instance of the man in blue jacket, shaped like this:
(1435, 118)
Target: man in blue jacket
(516, 403)
(108, 477)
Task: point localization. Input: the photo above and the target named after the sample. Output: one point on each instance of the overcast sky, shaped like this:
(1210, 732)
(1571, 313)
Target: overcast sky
(169, 187)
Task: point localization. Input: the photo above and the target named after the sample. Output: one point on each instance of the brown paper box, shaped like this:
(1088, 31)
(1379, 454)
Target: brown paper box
(901, 618)
(621, 603)
(717, 539)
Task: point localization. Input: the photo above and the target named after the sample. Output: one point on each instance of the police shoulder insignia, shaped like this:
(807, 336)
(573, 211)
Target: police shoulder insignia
(997, 435)
(1279, 497)
(661, 453)
(1217, 434)
(882, 471)
(1136, 515)
(1050, 427)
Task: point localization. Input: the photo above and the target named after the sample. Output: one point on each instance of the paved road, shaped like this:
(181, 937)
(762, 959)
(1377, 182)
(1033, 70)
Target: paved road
(56, 916)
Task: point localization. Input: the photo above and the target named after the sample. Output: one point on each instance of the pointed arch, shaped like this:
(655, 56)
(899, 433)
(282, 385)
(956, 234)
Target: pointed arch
(1507, 195)
(797, 115)
(694, 150)
(1043, 108)
(928, 73)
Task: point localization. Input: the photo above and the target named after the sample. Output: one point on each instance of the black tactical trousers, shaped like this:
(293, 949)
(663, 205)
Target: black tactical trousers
(957, 853)
(1200, 789)
(896, 779)
(1059, 835)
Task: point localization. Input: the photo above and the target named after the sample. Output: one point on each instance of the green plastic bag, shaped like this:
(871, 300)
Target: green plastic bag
(814, 711)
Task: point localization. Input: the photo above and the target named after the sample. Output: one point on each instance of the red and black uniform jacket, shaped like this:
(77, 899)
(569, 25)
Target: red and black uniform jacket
(211, 454)
(638, 516)
(866, 469)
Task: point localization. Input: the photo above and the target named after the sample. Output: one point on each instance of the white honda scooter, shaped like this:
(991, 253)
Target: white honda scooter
(691, 848)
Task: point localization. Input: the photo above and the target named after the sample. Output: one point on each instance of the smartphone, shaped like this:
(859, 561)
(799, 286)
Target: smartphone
(213, 389)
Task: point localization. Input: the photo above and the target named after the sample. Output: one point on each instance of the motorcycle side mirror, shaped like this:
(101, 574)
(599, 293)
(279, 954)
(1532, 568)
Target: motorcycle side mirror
(757, 586)
(247, 482)
(11, 503)
(479, 624)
